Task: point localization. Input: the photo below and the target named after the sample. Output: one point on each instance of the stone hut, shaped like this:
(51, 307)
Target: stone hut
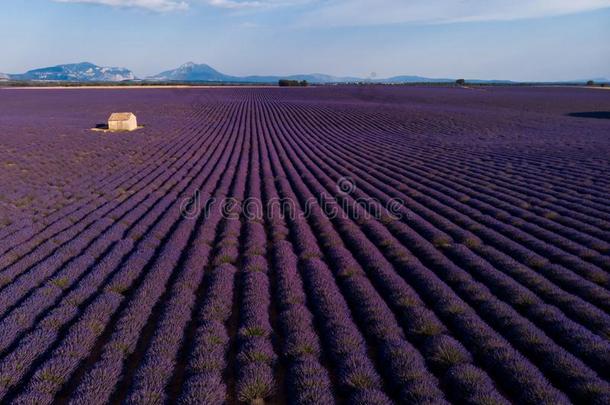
(123, 121)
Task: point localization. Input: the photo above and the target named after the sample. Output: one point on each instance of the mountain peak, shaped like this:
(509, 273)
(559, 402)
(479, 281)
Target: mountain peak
(83, 64)
(192, 72)
(77, 72)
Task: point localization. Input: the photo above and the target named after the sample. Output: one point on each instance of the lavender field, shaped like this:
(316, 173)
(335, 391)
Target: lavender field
(361, 245)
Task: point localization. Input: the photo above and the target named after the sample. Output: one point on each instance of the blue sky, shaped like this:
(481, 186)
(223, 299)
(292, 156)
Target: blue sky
(500, 39)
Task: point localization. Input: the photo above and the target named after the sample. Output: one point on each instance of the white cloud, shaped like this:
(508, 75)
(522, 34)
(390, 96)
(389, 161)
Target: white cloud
(173, 5)
(154, 5)
(252, 4)
(381, 12)
(236, 3)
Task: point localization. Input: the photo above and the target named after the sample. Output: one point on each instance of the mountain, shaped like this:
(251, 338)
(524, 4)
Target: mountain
(322, 78)
(420, 79)
(77, 72)
(479, 81)
(412, 79)
(3, 76)
(597, 80)
(311, 78)
(192, 72)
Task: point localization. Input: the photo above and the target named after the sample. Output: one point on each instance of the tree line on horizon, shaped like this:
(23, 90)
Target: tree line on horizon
(292, 83)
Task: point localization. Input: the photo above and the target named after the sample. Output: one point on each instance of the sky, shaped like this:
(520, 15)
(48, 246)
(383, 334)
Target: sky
(484, 39)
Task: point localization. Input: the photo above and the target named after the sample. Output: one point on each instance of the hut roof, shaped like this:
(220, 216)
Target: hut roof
(121, 116)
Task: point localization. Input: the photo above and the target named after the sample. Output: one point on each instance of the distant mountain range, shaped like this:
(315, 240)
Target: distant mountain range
(597, 80)
(192, 72)
(189, 72)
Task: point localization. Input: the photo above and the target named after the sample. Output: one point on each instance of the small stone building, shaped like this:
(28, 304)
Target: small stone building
(123, 121)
